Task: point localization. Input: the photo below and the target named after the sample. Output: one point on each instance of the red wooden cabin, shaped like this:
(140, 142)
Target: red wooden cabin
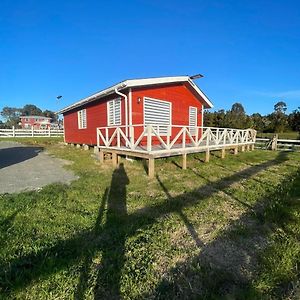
(37, 122)
(164, 102)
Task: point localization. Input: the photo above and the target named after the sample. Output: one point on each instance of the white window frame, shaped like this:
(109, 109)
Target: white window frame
(170, 121)
(193, 132)
(113, 122)
(81, 114)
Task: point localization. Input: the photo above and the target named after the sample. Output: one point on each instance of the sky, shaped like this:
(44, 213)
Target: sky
(248, 51)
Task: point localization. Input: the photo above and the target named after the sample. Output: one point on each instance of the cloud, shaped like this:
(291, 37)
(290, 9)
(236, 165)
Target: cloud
(292, 94)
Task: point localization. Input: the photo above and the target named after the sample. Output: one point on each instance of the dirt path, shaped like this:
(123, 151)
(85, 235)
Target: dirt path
(29, 168)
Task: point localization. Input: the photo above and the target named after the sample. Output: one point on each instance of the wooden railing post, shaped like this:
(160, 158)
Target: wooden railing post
(49, 131)
(98, 140)
(168, 136)
(149, 138)
(14, 132)
(196, 135)
(106, 135)
(208, 137)
(131, 133)
(32, 131)
(183, 137)
(118, 137)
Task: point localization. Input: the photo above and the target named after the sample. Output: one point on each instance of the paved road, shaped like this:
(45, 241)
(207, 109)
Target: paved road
(29, 168)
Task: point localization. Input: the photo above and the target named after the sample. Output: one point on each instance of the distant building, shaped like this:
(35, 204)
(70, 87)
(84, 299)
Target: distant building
(37, 122)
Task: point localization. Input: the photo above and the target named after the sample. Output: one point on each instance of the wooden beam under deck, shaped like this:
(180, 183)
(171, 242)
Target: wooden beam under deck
(151, 156)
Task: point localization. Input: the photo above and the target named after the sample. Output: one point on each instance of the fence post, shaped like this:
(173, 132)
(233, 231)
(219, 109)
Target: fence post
(49, 131)
(14, 132)
(274, 142)
(32, 131)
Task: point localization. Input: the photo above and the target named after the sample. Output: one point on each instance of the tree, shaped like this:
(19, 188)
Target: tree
(280, 107)
(50, 114)
(257, 122)
(238, 109)
(294, 120)
(31, 110)
(236, 117)
(11, 115)
(279, 118)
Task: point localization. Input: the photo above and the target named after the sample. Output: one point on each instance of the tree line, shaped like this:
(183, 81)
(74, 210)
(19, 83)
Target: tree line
(277, 122)
(11, 115)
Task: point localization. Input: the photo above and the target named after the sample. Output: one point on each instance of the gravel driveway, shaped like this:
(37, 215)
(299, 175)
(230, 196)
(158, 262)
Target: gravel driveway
(29, 168)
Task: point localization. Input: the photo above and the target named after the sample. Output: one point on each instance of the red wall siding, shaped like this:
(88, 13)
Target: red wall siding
(180, 96)
(96, 117)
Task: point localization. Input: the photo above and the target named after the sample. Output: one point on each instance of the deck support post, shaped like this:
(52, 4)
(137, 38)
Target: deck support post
(243, 148)
(207, 156)
(101, 157)
(252, 147)
(223, 153)
(96, 149)
(114, 159)
(151, 167)
(248, 147)
(235, 150)
(184, 156)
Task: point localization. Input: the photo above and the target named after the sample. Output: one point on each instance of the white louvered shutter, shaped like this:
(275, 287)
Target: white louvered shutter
(114, 112)
(157, 113)
(117, 112)
(83, 122)
(192, 120)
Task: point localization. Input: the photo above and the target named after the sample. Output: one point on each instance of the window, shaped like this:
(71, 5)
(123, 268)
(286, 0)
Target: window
(81, 119)
(192, 119)
(157, 112)
(114, 112)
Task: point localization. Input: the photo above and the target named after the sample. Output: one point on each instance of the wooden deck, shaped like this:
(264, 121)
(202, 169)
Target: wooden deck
(150, 144)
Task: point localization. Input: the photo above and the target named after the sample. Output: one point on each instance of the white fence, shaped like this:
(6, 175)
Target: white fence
(4, 133)
(281, 144)
(161, 138)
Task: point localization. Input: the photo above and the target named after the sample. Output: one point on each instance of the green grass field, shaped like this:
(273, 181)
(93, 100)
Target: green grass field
(227, 229)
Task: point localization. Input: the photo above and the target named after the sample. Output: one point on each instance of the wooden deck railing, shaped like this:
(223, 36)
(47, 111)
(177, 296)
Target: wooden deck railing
(155, 137)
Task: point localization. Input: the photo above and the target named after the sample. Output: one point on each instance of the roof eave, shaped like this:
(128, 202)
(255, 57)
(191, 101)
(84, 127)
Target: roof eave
(137, 83)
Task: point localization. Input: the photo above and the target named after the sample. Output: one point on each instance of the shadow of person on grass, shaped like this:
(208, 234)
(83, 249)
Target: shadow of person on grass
(113, 249)
(112, 242)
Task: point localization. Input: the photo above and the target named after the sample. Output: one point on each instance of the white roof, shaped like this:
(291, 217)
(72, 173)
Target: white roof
(138, 83)
(34, 117)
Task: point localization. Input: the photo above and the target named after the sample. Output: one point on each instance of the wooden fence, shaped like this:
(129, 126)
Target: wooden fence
(5, 133)
(277, 144)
